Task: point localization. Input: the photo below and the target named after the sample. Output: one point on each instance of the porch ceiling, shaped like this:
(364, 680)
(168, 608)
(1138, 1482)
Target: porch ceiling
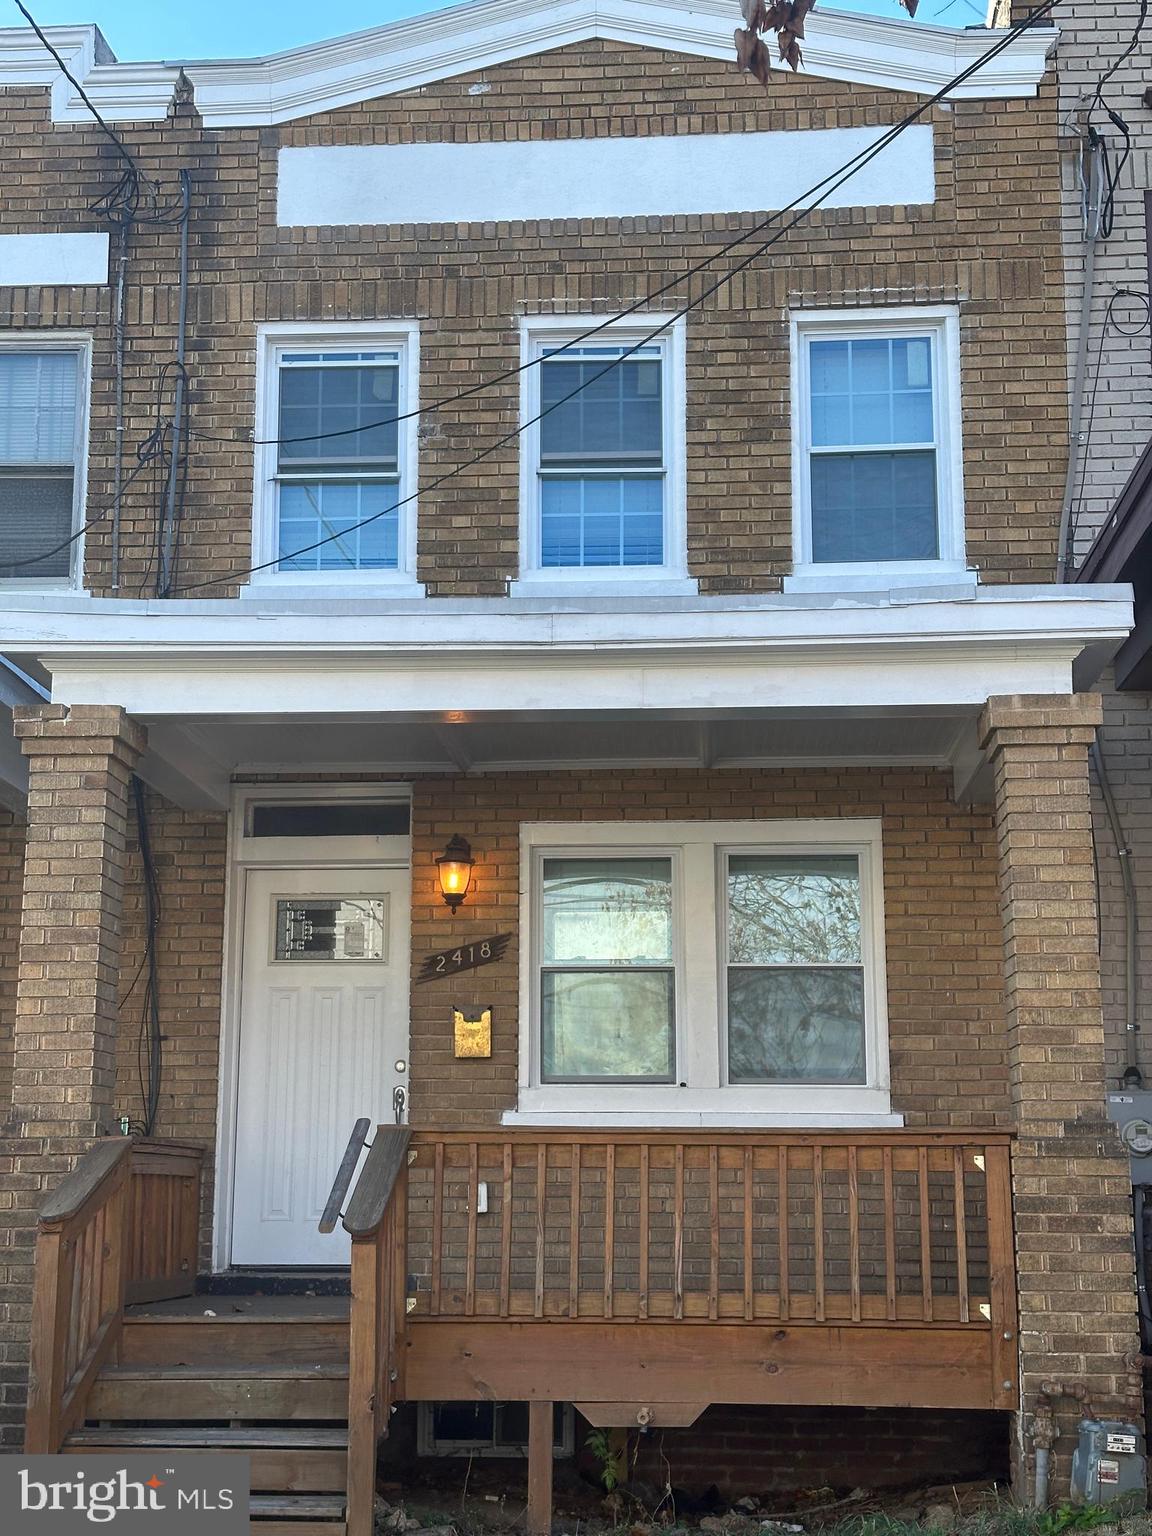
(193, 763)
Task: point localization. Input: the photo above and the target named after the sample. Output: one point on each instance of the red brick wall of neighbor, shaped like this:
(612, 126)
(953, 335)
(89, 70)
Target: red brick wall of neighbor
(987, 242)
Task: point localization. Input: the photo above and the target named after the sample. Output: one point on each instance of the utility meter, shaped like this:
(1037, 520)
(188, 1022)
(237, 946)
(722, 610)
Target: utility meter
(1132, 1113)
(1108, 1462)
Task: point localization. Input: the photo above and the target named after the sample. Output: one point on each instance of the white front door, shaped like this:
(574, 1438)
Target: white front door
(323, 1041)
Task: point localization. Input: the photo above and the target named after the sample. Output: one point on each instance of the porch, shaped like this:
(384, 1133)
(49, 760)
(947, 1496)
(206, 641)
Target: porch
(640, 1276)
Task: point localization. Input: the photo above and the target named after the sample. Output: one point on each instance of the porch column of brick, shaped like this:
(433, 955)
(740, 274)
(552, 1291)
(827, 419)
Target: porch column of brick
(1071, 1184)
(80, 764)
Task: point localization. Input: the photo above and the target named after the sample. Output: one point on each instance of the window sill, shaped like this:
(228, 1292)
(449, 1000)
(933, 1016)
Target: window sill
(332, 589)
(660, 1105)
(596, 584)
(829, 580)
(733, 1120)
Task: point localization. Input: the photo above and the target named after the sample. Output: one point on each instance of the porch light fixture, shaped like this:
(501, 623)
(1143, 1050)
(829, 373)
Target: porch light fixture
(455, 870)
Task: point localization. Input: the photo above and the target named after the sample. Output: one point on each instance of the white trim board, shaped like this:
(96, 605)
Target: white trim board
(235, 93)
(660, 175)
(55, 260)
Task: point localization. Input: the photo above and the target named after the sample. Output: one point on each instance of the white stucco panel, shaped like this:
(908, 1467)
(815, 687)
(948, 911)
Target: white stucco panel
(596, 178)
(51, 261)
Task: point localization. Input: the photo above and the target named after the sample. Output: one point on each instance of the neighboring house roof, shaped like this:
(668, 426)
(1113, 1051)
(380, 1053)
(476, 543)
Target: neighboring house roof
(232, 93)
(1122, 551)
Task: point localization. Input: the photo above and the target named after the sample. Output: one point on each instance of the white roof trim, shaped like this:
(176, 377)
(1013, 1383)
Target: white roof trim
(126, 93)
(240, 93)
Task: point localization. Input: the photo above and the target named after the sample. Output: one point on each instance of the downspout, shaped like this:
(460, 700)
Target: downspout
(1133, 1077)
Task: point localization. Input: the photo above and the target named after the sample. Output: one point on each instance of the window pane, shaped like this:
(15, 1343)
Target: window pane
(602, 520)
(619, 910)
(606, 1024)
(311, 511)
(616, 414)
(353, 402)
(874, 506)
(38, 399)
(796, 1026)
(871, 391)
(793, 909)
(36, 514)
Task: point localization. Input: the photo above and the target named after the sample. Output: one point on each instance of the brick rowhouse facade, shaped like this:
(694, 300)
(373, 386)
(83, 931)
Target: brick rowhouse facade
(987, 926)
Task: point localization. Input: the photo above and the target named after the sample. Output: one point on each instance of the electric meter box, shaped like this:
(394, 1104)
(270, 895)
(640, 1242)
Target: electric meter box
(1132, 1113)
(1108, 1463)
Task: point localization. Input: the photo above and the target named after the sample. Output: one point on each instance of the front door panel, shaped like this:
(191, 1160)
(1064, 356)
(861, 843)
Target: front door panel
(323, 1041)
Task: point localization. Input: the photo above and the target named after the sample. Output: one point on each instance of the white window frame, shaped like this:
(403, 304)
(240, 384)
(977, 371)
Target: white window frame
(942, 323)
(700, 1095)
(539, 333)
(353, 335)
(79, 343)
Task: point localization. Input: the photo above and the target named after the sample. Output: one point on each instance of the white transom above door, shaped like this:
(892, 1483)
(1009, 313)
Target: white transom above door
(323, 1041)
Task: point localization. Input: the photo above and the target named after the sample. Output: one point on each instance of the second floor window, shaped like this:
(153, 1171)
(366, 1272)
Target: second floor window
(336, 465)
(603, 494)
(338, 469)
(602, 458)
(41, 460)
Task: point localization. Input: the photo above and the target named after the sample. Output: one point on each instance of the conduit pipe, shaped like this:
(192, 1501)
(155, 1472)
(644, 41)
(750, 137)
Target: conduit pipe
(1092, 203)
(1133, 1076)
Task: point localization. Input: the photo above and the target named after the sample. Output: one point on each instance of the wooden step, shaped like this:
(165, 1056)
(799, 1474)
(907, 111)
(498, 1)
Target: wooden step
(282, 1460)
(318, 1511)
(204, 1341)
(297, 1528)
(194, 1438)
(179, 1393)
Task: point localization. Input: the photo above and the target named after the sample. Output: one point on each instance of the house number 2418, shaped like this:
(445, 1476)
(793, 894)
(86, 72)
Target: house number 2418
(466, 957)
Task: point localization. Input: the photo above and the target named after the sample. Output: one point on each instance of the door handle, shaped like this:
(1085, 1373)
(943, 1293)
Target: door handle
(399, 1103)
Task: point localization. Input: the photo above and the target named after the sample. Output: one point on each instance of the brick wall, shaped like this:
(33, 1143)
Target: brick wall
(11, 898)
(986, 242)
(943, 935)
(1117, 422)
(773, 1449)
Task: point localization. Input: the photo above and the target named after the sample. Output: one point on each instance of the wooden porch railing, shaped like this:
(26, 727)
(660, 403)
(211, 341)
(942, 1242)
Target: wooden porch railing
(121, 1227)
(904, 1227)
(377, 1221)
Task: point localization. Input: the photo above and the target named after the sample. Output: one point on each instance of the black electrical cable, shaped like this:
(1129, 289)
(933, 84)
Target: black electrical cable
(838, 177)
(845, 173)
(150, 1043)
(1134, 43)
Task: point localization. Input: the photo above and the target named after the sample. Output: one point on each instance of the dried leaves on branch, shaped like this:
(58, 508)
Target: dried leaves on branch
(786, 19)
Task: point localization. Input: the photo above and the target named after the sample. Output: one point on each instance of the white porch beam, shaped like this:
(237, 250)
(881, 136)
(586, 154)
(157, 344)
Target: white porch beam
(179, 766)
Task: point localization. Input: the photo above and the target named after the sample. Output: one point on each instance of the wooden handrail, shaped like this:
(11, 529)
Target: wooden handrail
(377, 1221)
(387, 1156)
(84, 1183)
(121, 1227)
(872, 1227)
(356, 1144)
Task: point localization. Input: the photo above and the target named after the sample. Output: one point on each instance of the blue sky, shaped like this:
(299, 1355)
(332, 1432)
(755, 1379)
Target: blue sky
(190, 29)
